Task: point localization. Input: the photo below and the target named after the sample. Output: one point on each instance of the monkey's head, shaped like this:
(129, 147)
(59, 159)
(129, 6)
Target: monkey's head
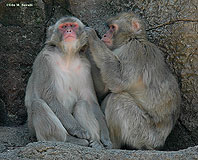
(68, 31)
(123, 28)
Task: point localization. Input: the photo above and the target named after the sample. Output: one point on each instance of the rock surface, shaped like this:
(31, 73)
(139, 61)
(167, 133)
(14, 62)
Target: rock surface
(62, 151)
(13, 140)
(13, 137)
(171, 25)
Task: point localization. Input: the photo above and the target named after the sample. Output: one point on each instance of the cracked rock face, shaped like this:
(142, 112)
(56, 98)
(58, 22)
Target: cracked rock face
(171, 25)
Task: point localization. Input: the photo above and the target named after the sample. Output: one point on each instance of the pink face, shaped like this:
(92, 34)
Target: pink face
(69, 30)
(107, 37)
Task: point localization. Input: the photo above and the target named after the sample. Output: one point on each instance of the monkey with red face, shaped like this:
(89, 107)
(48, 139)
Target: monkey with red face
(145, 101)
(60, 97)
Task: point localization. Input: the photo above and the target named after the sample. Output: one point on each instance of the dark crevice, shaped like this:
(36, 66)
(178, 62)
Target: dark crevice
(172, 22)
(70, 12)
(187, 130)
(47, 21)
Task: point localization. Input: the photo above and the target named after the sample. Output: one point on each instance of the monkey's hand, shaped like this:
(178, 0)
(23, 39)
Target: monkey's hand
(80, 133)
(92, 35)
(83, 39)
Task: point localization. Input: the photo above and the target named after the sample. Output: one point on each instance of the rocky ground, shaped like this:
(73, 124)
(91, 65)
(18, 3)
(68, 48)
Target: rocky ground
(12, 141)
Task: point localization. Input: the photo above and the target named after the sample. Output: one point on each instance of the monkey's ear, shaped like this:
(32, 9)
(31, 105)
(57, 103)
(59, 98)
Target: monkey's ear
(50, 31)
(136, 26)
(52, 36)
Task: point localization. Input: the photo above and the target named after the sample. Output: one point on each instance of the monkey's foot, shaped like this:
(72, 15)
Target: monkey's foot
(106, 141)
(96, 144)
(107, 144)
(78, 141)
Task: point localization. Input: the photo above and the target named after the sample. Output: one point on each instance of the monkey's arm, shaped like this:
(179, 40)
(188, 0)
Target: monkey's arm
(109, 64)
(99, 85)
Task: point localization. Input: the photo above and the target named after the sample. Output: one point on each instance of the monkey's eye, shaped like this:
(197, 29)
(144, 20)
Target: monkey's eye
(64, 26)
(72, 25)
(112, 27)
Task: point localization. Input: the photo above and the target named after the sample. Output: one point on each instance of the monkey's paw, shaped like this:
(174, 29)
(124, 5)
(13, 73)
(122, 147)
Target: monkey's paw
(80, 133)
(95, 144)
(106, 142)
(83, 39)
(91, 33)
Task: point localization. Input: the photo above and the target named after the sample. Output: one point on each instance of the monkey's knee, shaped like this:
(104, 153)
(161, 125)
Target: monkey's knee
(131, 126)
(123, 118)
(81, 109)
(46, 124)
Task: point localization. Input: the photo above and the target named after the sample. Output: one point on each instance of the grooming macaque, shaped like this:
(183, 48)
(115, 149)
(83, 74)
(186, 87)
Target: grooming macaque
(60, 97)
(145, 100)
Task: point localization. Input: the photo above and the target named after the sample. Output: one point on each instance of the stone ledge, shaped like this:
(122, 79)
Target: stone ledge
(60, 151)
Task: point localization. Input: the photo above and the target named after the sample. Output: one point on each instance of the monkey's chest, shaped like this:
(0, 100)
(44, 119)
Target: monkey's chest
(69, 79)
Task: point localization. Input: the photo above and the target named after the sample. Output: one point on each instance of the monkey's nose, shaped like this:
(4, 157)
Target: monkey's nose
(69, 30)
(104, 35)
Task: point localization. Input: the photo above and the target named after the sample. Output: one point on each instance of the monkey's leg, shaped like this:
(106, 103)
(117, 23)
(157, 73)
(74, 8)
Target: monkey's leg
(128, 124)
(30, 124)
(48, 127)
(69, 122)
(104, 132)
(83, 113)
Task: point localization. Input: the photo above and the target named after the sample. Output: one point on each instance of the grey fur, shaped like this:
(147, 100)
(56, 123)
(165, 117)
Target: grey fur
(60, 97)
(99, 85)
(145, 100)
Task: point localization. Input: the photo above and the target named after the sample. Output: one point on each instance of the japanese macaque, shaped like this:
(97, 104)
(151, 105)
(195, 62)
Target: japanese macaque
(144, 103)
(60, 97)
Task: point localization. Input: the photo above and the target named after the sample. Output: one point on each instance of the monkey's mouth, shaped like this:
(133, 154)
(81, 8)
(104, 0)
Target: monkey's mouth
(107, 41)
(69, 38)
